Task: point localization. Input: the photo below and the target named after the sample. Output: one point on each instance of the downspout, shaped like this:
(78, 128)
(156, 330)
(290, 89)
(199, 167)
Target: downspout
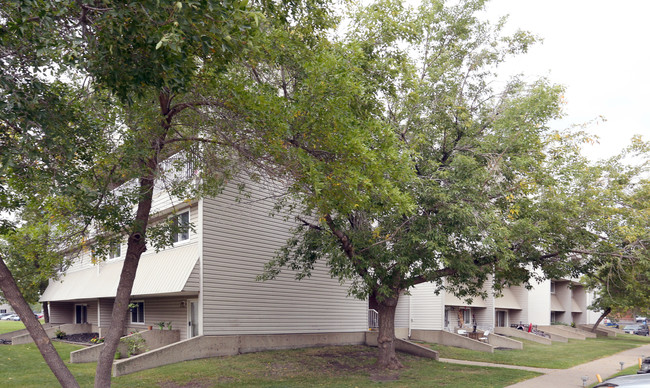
(410, 319)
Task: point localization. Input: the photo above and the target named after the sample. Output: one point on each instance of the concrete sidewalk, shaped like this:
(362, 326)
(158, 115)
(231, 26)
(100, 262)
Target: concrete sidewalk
(572, 377)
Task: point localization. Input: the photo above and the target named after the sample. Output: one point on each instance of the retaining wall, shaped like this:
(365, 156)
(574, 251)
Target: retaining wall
(405, 346)
(68, 328)
(601, 331)
(17, 333)
(559, 330)
(154, 339)
(451, 339)
(509, 331)
(214, 346)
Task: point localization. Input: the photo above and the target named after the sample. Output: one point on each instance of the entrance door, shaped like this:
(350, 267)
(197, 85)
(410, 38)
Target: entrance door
(501, 318)
(80, 313)
(192, 318)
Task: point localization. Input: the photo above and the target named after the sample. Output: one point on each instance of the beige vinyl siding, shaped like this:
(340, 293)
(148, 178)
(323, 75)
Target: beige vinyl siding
(193, 281)
(402, 311)
(155, 310)
(61, 312)
(239, 238)
(82, 260)
(91, 309)
(427, 308)
(485, 316)
(521, 295)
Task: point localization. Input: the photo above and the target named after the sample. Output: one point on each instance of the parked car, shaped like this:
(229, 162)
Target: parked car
(612, 324)
(627, 381)
(2, 315)
(641, 319)
(11, 317)
(645, 366)
(636, 329)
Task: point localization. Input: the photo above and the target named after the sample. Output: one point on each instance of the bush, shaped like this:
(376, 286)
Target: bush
(134, 343)
(60, 334)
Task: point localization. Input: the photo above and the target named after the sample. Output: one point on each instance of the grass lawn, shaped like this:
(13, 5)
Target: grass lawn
(7, 326)
(558, 355)
(346, 366)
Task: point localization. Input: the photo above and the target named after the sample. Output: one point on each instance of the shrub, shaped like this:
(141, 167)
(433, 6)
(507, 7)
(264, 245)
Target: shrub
(134, 343)
(60, 334)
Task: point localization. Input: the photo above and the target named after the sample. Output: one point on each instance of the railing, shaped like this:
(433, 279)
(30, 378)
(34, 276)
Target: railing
(373, 319)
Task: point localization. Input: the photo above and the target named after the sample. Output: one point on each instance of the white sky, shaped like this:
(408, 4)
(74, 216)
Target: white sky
(600, 51)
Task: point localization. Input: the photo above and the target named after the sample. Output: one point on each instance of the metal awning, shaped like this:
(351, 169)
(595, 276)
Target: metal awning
(165, 272)
(507, 300)
(453, 300)
(555, 303)
(575, 308)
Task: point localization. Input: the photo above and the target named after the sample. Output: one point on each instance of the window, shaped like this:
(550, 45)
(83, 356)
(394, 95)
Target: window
(502, 318)
(182, 227)
(553, 316)
(552, 287)
(137, 312)
(3, 311)
(464, 317)
(80, 313)
(115, 252)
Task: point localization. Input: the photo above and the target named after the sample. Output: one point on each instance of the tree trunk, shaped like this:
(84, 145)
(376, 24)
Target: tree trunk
(387, 358)
(602, 316)
(136, 245)
(46, 313)
(34, 327)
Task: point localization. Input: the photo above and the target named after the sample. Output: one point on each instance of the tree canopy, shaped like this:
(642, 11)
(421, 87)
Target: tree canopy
(499, 195)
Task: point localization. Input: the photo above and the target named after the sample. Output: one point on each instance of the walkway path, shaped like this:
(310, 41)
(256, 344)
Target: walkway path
(572, 377)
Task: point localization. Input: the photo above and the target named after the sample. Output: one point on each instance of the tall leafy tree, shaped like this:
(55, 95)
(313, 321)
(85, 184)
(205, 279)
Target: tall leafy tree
(195, 79)
(137, 52)
(498, 194)
(620, 278)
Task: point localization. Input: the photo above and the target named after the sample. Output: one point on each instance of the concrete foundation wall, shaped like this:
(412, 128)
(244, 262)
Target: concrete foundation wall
(601, 331)
(16, 333)
(510, 332)
(450, 339)
(402, 332)
(562, 331)
(154, 339)
(504, 342)
(579, 331)
(68, 328)
(227, 345)
(404, 346)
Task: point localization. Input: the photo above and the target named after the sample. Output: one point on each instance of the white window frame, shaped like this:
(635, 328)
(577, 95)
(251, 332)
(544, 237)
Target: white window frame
(552, 287)
(176, 238)
(137, 309)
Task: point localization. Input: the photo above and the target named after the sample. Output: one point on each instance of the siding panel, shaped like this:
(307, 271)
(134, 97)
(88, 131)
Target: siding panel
(239, 238)
(427, 308)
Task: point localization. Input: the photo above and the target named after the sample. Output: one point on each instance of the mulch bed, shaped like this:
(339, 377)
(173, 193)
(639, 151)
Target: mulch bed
(79, 339)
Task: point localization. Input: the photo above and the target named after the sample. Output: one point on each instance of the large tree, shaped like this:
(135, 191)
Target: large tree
(185, 79)
(138, 53)
(498, 193)
(620, 276)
